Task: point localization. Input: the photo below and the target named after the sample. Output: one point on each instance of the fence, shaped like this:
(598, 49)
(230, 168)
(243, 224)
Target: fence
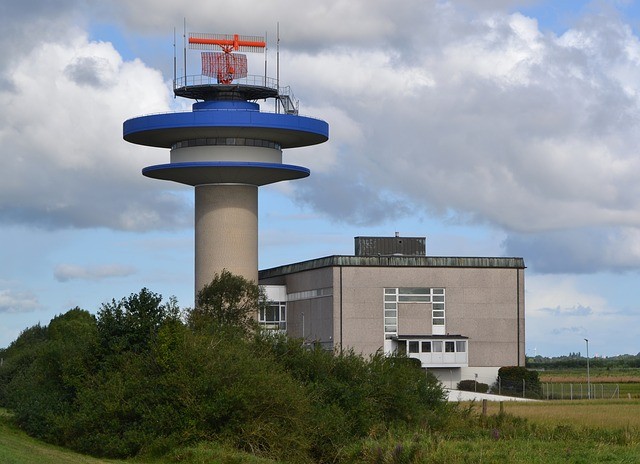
(547, 390)
(580, 391)
(498, 386)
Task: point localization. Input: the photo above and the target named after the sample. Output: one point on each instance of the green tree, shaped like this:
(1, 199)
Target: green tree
(47, 372)
(132, 323)
(229, 301)
(513, 379)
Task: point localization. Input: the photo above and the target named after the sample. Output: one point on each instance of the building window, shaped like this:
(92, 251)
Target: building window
(413, 347)
(414, 295)
(426, 347)
(437, 346)
(273, 316)
(449, 347)
(393, 296)
(226, 141)
(390, 312)
(310, 294)
(461, 346)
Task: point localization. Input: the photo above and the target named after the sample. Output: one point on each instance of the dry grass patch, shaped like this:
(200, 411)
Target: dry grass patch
(575, 378)
(603, 414)
(597, 375)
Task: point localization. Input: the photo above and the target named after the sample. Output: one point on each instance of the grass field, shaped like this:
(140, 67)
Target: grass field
(558, 432)
(608, 383)
(598, 375)
(596, 414)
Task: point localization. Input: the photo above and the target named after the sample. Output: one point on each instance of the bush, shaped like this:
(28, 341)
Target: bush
(472, 386)
(514, 378)
(136, 380)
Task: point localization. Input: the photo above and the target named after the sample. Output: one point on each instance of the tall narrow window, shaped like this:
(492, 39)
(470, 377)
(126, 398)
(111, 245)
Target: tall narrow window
(390, 312)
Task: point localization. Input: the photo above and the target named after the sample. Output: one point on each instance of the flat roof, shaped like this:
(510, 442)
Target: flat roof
(393, 261)
(429, 337)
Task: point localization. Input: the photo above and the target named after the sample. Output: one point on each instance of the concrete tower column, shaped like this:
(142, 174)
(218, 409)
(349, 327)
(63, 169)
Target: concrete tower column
(226, 231)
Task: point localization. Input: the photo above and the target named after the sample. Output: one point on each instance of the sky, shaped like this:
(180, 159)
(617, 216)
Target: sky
(493, 128)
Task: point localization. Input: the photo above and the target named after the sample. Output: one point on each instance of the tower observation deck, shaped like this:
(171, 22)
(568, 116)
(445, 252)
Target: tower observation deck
(226, 147)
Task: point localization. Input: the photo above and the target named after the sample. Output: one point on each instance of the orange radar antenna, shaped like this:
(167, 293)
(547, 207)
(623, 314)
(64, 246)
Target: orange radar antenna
(225, 66)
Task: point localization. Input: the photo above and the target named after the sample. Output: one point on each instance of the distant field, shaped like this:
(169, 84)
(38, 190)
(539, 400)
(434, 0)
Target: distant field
(616, 383)
(598, 375)
(599, 414)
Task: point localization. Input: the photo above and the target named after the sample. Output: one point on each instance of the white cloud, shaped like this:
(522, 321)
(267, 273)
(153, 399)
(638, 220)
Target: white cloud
(560, 295)
(12, 301)
(66, 272)
(561, 310)
(451, 109)
(62, 125)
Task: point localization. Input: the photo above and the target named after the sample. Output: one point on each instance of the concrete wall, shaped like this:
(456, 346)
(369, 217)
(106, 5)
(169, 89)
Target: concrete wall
(484, 304)
(309, 318)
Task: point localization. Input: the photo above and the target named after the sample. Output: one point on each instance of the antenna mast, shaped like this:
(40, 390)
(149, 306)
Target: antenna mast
(265, 58)
(174, 60)
(184, 45)
(278, 63)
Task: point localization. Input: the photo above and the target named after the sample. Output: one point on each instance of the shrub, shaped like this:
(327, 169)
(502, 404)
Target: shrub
(137, 380)
(512, 379)
(473, 386)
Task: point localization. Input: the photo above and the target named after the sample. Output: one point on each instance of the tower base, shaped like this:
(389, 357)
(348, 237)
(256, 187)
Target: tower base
(226, 232)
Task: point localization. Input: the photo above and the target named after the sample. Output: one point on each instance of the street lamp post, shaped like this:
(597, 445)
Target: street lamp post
(588, 376)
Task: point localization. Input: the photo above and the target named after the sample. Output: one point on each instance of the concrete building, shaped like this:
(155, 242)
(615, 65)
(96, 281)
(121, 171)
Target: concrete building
(462, 317)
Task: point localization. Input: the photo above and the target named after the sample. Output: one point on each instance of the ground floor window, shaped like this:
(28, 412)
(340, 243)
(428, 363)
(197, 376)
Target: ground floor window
(413, 347)
(273, 316)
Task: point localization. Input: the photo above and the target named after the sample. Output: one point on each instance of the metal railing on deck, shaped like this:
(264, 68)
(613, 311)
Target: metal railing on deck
(200, 79)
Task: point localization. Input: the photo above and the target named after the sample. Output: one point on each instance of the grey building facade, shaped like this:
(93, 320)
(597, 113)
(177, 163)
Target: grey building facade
(462, 317)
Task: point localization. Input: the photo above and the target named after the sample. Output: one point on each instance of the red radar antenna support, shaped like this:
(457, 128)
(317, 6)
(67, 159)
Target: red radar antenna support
(225, 66)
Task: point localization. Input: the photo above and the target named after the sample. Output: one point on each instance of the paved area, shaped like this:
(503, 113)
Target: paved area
(459, 395)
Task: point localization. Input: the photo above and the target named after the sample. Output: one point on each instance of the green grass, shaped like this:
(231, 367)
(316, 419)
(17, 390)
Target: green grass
(597, 375)
(16, 447)
(556, 432)
(494, 445)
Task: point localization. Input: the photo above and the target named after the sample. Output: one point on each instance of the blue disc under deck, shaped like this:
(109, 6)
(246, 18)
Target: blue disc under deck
(225, 172)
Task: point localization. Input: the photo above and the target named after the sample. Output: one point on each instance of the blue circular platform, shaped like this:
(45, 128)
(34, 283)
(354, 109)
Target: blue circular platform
(225, 172)
(163, 130)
